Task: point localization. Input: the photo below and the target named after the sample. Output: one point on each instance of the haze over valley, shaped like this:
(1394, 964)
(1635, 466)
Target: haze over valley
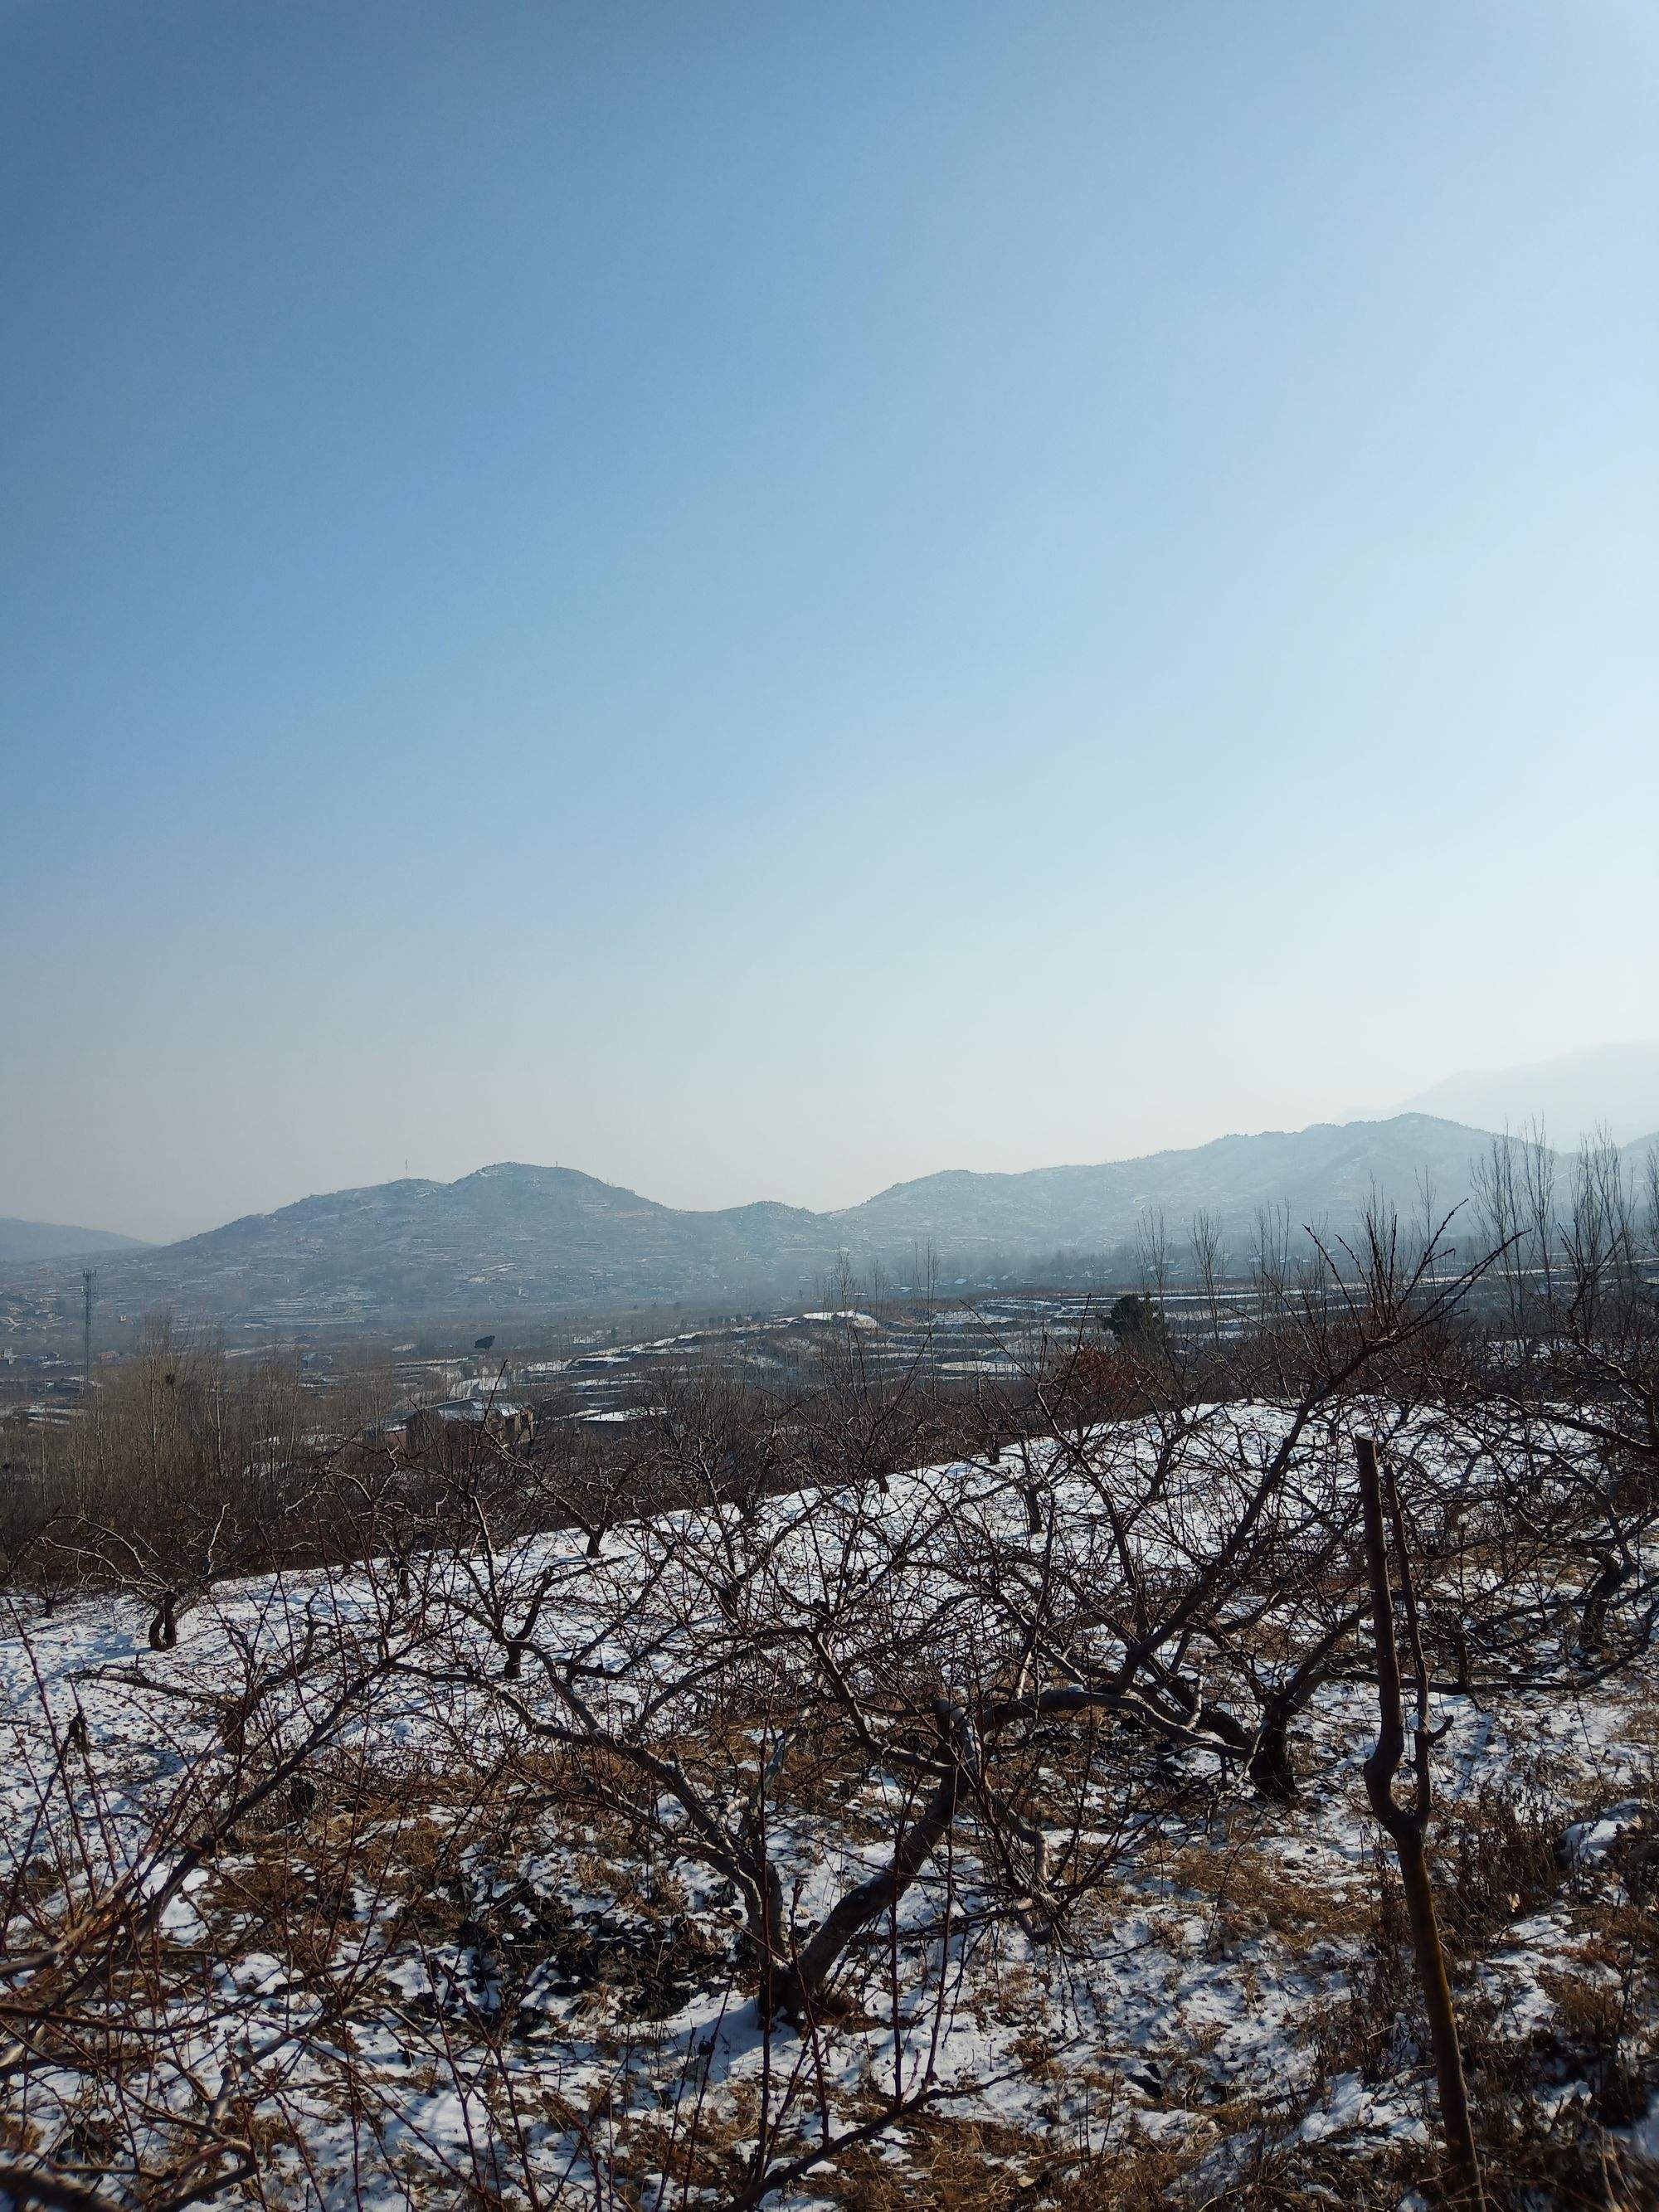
(521, 1242)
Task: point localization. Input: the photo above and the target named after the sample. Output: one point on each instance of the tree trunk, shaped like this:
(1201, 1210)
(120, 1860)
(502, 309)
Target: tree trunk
(1407, 1827)
(802, 1985)
(1592, 1620)
(1270, 1768)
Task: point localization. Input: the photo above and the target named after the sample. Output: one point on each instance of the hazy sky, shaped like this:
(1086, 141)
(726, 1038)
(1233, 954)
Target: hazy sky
(759, 599)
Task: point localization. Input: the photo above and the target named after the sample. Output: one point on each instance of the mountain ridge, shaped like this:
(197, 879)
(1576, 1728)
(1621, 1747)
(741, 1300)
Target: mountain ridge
(516, 1235)
(1615, 1086)
(23, 1242)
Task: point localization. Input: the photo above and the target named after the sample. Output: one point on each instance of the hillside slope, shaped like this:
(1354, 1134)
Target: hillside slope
(1323, 1172)
(509, 1234)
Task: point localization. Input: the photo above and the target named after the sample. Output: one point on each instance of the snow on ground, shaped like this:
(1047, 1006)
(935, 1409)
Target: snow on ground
(472, 2000)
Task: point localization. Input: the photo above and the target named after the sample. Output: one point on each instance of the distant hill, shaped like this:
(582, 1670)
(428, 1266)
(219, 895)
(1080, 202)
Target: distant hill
(24, 1241)
(1321, 1173)
(529, 1239)
(1611, 1085)
(507, 1235)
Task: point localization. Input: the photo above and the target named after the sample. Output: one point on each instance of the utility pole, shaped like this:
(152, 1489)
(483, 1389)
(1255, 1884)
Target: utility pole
(88, 1284)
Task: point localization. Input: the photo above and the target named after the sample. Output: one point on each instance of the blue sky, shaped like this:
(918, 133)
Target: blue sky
(760, 601)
